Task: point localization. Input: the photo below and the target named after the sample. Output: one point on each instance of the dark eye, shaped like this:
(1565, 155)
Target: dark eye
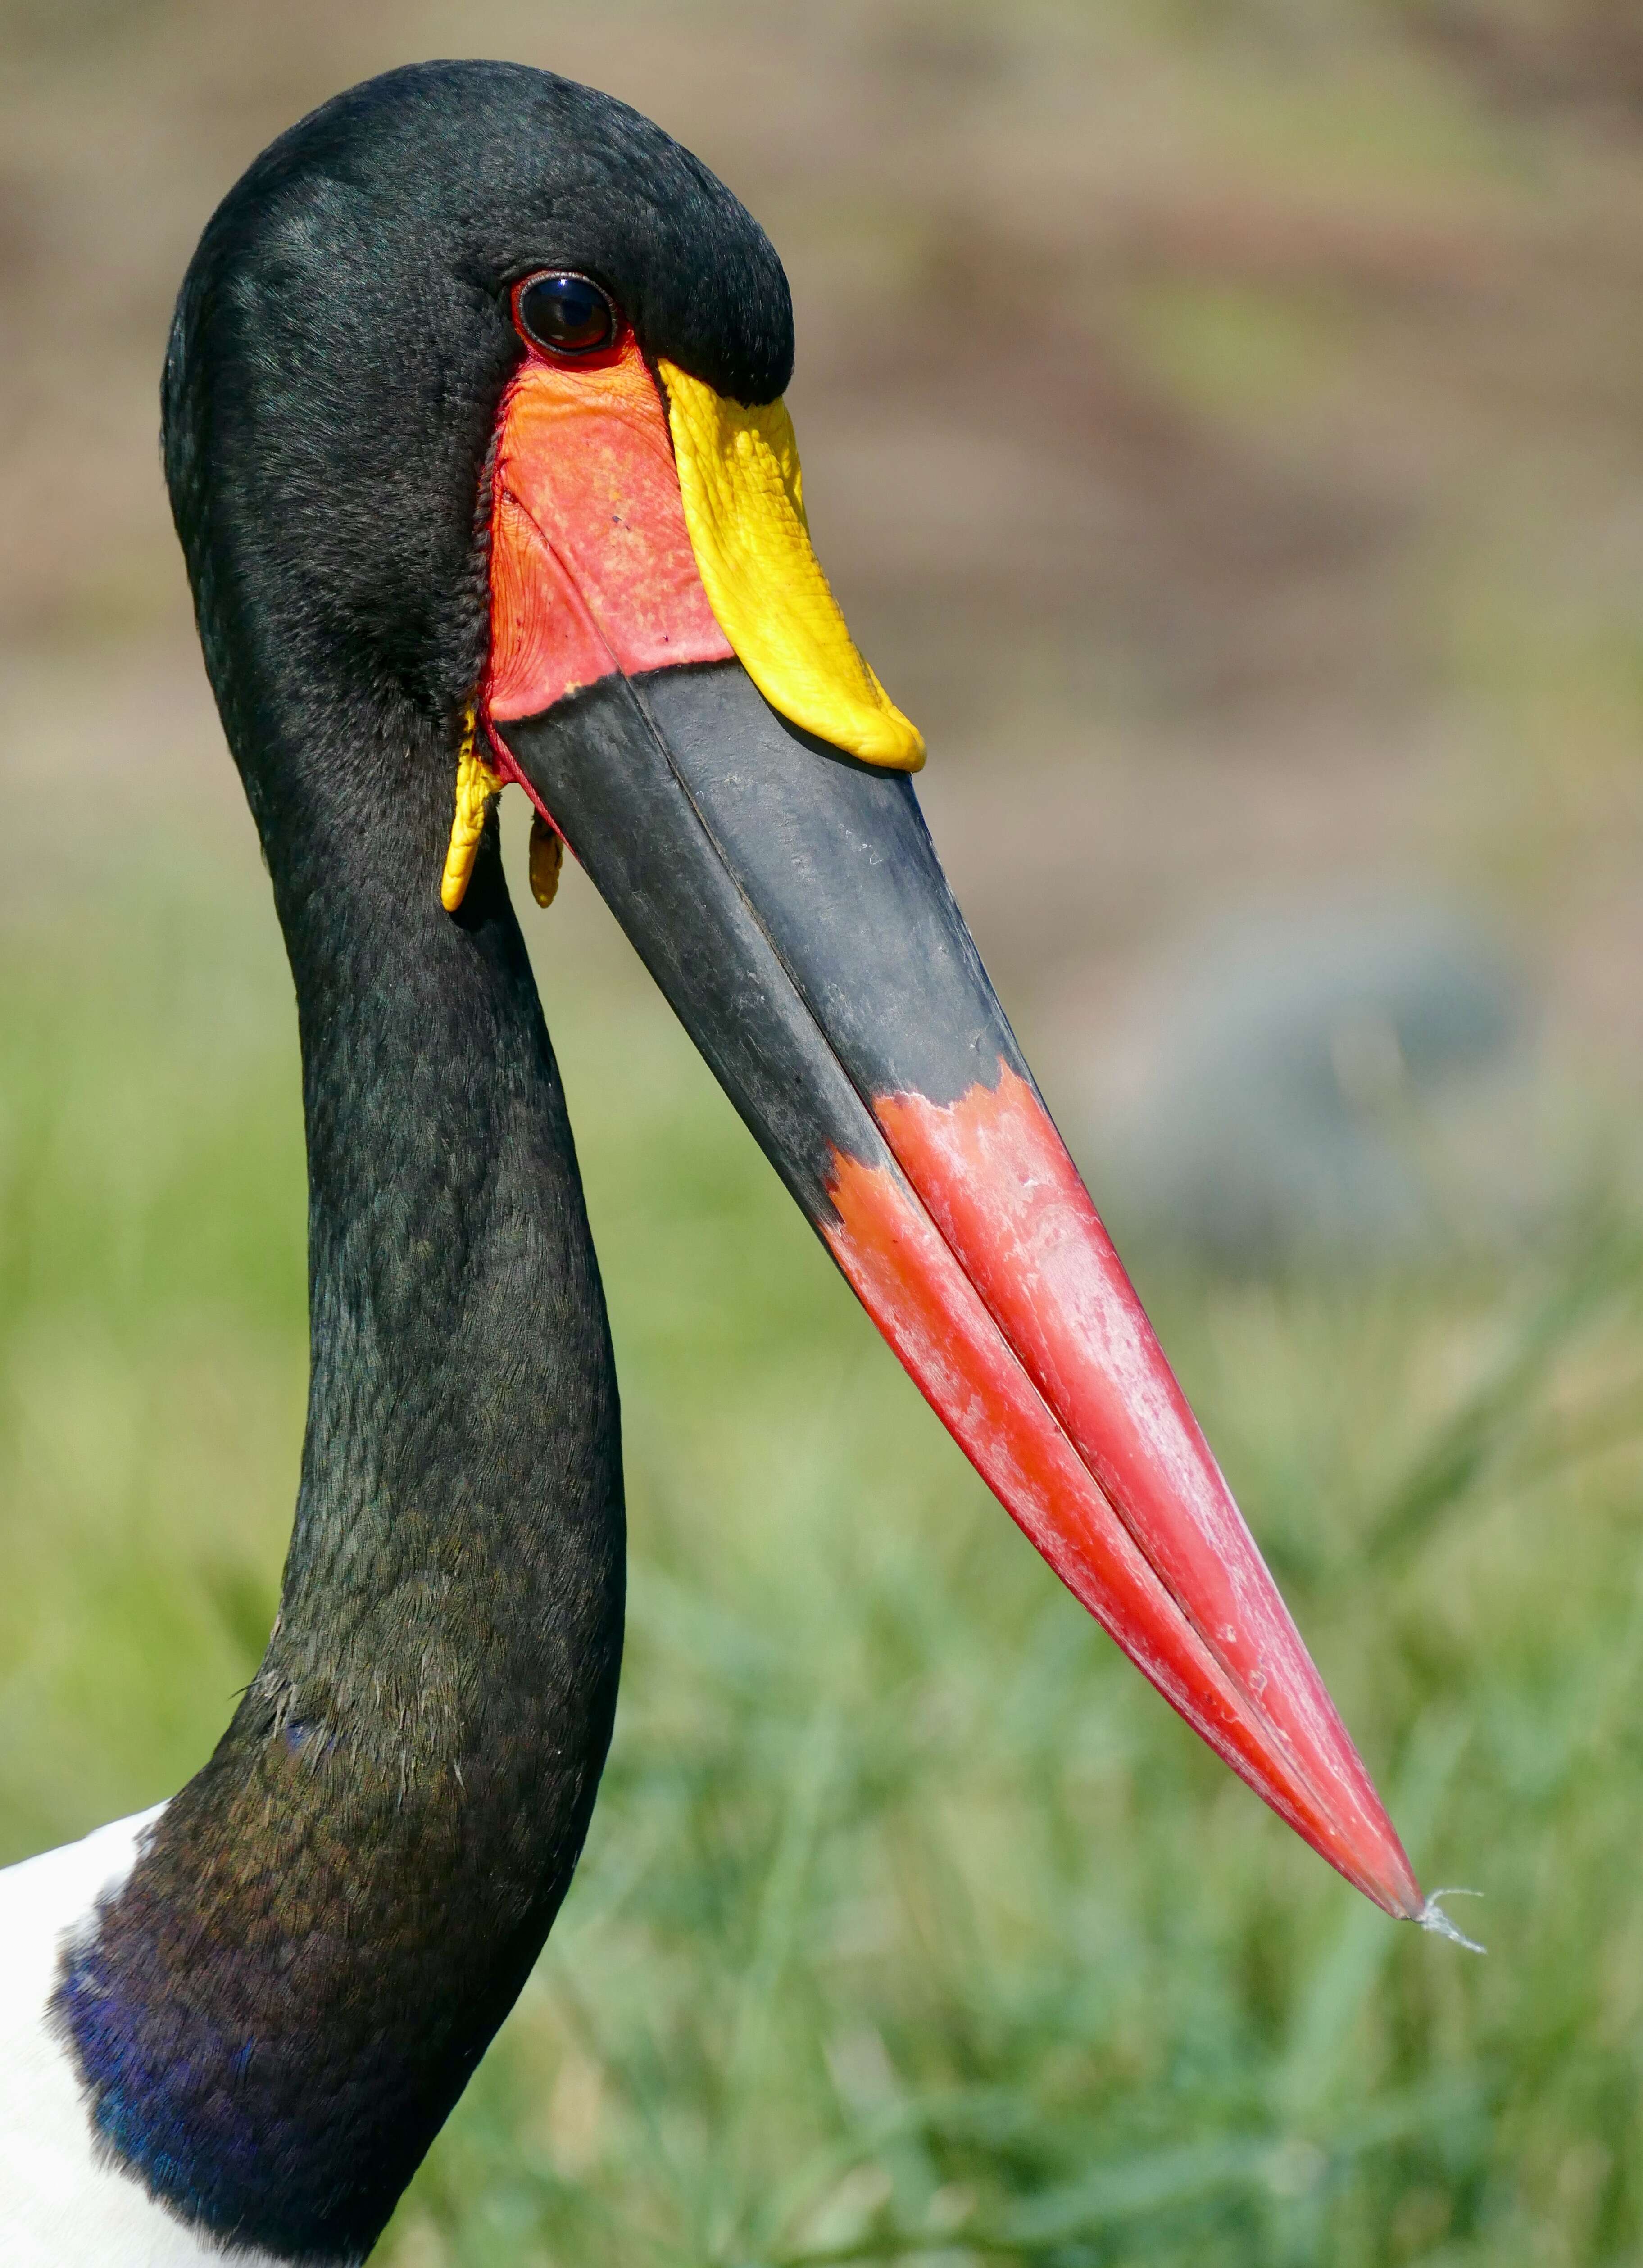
(566, 314)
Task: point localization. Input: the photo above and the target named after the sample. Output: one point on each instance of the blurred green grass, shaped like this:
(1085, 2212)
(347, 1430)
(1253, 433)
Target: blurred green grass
(911, 1925)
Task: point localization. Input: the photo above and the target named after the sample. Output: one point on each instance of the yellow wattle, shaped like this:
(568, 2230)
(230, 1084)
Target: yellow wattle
(744, 506)
(475, 784)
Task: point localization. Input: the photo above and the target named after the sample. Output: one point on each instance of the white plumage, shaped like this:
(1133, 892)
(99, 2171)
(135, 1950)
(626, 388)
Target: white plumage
(60, 2208)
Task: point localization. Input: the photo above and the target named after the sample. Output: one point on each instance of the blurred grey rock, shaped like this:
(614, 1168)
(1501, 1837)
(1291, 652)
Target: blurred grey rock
(1327, 1076)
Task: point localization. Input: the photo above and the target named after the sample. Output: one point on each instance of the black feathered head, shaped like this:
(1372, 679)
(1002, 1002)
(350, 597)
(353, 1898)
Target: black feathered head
(344, 334)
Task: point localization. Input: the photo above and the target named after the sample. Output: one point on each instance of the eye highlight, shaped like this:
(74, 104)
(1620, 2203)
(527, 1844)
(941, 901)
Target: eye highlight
(565, 313)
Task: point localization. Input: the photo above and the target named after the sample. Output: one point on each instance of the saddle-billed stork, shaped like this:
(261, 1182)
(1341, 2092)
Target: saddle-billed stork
(475, 445)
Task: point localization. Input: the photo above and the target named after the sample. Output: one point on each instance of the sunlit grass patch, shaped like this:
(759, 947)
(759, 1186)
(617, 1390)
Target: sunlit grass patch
(912, 1926)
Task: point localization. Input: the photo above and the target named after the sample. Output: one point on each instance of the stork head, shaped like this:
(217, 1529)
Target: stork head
(475, 443)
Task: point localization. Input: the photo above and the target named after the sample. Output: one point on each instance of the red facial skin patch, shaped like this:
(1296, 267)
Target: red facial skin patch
(590, 566)
(999, 1289)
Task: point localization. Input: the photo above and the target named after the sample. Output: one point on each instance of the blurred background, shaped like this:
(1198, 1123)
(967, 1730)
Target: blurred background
(1224, 426)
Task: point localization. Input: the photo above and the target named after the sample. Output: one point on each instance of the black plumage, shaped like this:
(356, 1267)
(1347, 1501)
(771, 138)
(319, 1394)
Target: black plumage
(277, 2013)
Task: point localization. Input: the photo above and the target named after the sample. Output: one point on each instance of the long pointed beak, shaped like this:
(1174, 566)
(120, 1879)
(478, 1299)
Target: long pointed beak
(671, 681)
(790, 904)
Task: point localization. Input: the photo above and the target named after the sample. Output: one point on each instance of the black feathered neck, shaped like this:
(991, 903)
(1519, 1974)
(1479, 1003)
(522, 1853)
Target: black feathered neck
(277, 2011)
(275, 2015)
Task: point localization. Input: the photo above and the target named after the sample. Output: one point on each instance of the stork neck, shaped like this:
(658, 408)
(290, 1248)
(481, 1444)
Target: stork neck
(277, 2013)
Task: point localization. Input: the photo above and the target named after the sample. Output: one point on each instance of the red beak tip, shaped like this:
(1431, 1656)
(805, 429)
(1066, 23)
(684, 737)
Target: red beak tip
(990, 1272)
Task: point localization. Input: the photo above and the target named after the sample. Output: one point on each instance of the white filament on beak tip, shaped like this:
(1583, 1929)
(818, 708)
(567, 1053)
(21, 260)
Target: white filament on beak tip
(1432, 1916)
